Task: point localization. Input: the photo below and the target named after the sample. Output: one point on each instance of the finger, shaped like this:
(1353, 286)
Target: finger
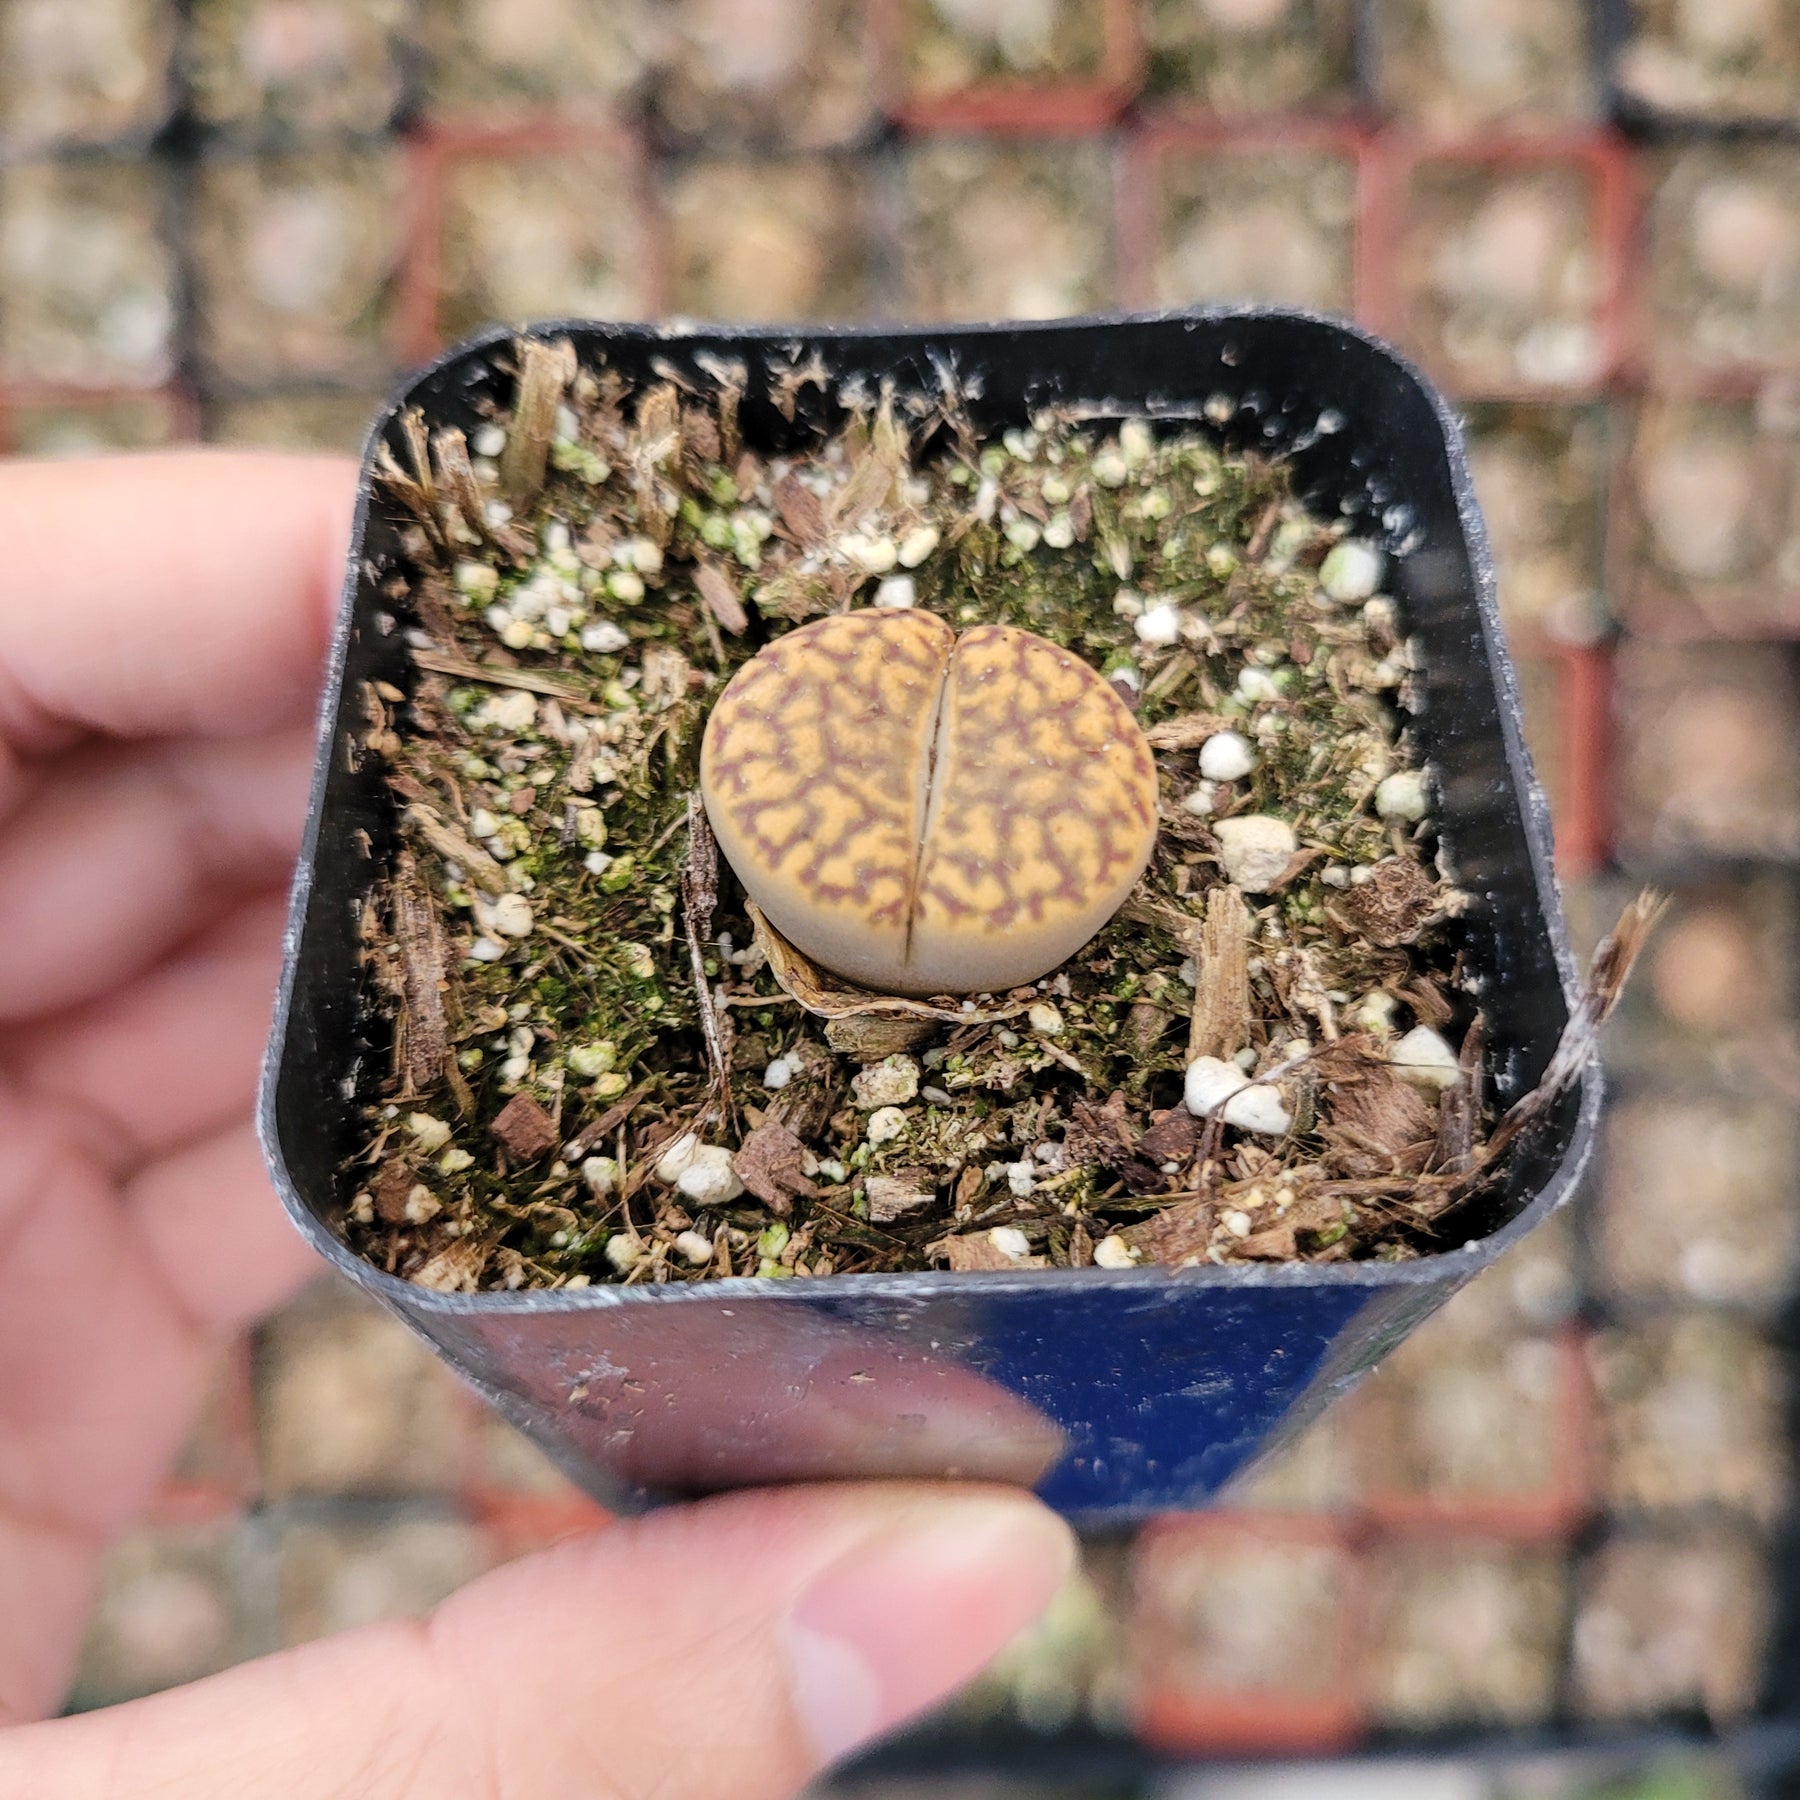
(100, 1371)
(127, 852)
(159, 596)
(47, 1574)
(728, 1649)
(169, 1057)
(216, 1233)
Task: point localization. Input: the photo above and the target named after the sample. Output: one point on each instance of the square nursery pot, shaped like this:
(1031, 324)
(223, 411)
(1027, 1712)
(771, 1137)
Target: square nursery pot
(1117, 1394)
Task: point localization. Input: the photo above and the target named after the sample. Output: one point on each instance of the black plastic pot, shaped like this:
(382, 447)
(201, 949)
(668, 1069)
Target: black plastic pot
(1116, 1394)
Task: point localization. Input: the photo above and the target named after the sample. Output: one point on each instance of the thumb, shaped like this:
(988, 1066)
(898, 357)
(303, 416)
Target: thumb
(732, 1648)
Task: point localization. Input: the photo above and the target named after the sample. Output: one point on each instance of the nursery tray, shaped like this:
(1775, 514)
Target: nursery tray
(1117, 1394)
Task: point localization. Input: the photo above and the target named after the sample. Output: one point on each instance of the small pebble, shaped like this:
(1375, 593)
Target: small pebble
(489, 441)
(480, 582)
(600, 1174)
(1043, 1017)
(1422, 1059)
(1255, 685)
(1010, 1241)
(898, 592)
(708, 1177)
(1202, 801)
(1226, 756)
(1213, 1085)
(917, 545)
(428, 1133)
(603, 637)
(1352, 570)
(510, 915)
(1236, 1222)
(1159, 624)
(1255, 849)
(1402, 795)
(889, 1083)
(676, 1156)
(1021, 1179)
(598, 1058)
(1374, 1013)
(1114, 1253)
(696, 1247)
(623, 1252)
(779, 1073)
(873, 556)
(885, 1124)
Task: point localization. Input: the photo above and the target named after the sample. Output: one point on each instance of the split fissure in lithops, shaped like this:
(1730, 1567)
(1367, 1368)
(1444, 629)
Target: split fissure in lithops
(925, 812)
(610, 1064)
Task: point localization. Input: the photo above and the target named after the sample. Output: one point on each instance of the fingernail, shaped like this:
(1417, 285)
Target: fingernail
(916, 1609)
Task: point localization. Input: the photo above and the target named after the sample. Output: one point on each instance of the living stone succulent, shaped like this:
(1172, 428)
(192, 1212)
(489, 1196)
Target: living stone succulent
(926, 813)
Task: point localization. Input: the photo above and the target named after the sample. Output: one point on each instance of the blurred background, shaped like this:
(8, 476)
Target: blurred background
(1547, 1551)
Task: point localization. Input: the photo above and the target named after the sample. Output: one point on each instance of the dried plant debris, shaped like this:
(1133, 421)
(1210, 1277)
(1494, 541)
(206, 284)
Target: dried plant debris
(606, 1068)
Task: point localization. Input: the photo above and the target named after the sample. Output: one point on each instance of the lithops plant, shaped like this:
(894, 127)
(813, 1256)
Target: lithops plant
(928, 813)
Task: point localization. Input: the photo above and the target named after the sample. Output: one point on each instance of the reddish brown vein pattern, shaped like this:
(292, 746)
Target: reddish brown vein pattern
(926, 812)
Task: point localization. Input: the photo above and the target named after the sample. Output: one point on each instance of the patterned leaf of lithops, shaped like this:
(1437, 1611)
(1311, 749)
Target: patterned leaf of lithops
(928, 814)
(1043, 814)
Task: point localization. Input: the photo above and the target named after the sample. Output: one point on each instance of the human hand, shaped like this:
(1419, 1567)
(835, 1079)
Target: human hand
(162, 625)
